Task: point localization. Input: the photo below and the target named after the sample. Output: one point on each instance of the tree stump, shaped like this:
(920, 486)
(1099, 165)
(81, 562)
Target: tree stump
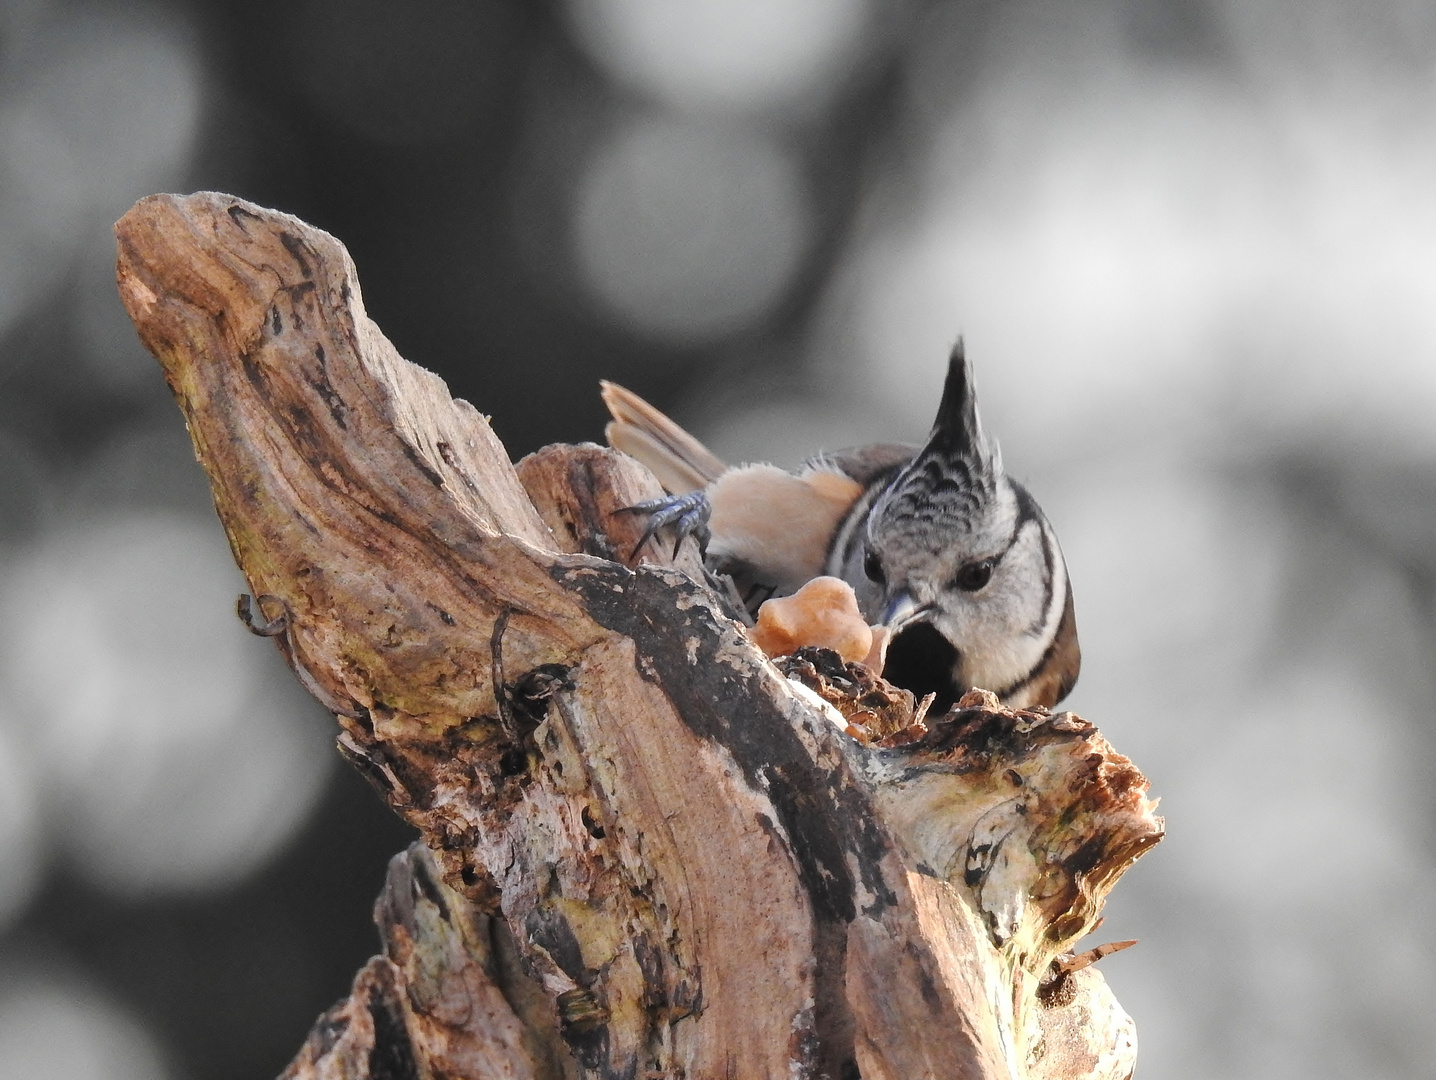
(647, 850)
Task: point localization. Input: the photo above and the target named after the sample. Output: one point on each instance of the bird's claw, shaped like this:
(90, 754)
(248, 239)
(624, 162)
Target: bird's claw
(687, 515)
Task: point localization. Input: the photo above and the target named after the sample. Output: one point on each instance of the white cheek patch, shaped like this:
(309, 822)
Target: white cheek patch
(1003, 633)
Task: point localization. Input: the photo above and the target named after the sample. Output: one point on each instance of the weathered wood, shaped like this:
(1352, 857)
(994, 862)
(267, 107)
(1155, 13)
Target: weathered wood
(653, 854)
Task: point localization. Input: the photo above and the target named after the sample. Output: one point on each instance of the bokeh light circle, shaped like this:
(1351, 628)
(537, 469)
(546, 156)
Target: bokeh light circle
(101, 109)
(724, 54)
(124, 93)
(690, 232)
(1145, 256)
(54, 1030)
(176, 756)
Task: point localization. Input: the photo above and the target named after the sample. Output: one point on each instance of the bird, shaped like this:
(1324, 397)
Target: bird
(938, 542)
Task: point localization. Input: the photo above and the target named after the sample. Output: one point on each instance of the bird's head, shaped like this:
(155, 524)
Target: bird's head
(961, 563)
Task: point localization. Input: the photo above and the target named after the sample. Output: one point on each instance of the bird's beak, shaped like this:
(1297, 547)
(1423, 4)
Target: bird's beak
(901, 608)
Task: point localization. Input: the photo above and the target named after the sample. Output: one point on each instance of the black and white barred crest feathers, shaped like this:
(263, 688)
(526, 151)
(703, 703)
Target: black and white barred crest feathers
(957, 429)
(957, 472)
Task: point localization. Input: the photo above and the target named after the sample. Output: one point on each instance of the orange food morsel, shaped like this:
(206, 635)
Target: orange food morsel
(823, 613)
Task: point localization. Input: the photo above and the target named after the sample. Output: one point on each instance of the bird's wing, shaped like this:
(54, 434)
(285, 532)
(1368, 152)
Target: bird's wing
(865, 463)
(680, 461)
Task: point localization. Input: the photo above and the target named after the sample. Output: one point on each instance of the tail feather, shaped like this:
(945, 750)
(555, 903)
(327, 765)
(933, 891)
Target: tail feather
(681, 463)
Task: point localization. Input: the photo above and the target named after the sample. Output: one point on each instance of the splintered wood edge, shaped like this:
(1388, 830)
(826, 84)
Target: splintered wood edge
(1032, 816)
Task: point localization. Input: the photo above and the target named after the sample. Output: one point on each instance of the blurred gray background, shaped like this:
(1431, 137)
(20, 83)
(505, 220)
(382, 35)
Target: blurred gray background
(1191, 245)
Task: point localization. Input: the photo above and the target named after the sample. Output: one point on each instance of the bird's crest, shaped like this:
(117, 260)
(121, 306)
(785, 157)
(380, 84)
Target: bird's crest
(957, 431)
(956, 472)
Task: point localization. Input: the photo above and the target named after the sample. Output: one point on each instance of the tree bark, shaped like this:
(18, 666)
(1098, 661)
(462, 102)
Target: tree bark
(647, 850)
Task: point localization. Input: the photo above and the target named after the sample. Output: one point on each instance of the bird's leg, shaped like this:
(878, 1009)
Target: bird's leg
(686, 514)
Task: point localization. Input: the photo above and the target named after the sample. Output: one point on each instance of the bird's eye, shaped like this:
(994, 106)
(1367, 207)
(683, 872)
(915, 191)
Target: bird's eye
(974, 575)
(873, 567)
